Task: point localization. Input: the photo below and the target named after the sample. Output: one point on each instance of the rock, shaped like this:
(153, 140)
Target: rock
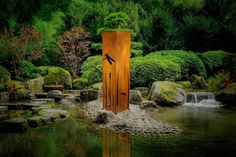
(227, 96)
(88, 95)
(146, 104)
(69, 100)
(135, 97)
(98, 86)
(56, 95)
(41, 95)
(4, 97)
(3, 109)
(144, 90)
(103, 117)
(198, 82)
(55, 113)
(15, 124)
(48, 88)
(39, 120)
(35, 85)
(166, 93)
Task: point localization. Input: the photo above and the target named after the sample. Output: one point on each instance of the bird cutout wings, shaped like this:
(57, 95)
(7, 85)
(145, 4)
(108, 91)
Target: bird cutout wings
(108, 58)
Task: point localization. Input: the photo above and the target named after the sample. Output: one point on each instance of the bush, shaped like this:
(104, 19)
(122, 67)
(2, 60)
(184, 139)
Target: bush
(190, 63)
(57, 75)
(80, 83)
(136, 49)
(43, 70)
(213, 61)
(92, 69)
(4, 76)
(219, 81)
(146, 70)
(27, 71)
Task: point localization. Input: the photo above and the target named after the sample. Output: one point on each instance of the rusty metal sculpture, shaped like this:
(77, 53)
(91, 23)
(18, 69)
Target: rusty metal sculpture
(116, 70)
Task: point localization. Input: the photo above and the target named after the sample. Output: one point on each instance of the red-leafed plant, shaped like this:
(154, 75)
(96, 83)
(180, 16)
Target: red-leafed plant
(74, 48)
(16, 47)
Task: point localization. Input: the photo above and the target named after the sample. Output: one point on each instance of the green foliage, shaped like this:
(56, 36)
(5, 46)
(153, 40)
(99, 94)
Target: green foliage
(58, 76)
(146, 70)
(213, 60)
(43, 70)
(219, 81)
(189, 62)
(136, 49)
(27, 71)
(115, 21)
(4, 76)
(80, 83)
(184, 84)
(14, 86)
(92, 69)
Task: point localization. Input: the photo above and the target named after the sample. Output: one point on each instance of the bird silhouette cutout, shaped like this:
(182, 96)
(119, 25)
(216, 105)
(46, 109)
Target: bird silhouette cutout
(108, 58)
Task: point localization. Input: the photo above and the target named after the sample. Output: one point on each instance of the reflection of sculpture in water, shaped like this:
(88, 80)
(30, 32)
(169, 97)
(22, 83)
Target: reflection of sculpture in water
(115, 145)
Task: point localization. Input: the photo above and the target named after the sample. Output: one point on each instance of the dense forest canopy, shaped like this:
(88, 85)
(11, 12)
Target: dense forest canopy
(197, 25)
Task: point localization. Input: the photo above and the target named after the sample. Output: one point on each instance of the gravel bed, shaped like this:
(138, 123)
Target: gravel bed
(135, 120)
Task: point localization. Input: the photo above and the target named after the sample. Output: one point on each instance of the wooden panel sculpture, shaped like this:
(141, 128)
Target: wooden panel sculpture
(116, 70)
(115, 145)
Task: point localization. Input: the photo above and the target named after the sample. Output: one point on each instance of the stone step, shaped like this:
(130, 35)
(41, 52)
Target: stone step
(45, 100)
(41, 95)
(48, 88)
(3, 108)
(15, 124)
(22, 105)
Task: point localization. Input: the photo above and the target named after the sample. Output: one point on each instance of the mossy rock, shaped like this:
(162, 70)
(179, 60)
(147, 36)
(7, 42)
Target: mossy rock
(80, 83)
(198, 82)
(58, 76)
(227, 96)
(144, 90)
(166, 93)
(35, 85)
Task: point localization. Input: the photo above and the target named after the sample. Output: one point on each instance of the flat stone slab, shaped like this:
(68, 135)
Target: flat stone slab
(3, 108)
(48, 88)
(69, 100)
(41, 95)
(47, 100)
(22, 105)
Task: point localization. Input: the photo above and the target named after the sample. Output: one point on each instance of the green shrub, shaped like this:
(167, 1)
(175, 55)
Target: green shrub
(190, 63)
(136, 49)
(43, 70)
(4, 76)
(146, 70)
(80, 83)
(213, 60)
(57, 75)
(27, 71)
(219, 81)
(92, 69)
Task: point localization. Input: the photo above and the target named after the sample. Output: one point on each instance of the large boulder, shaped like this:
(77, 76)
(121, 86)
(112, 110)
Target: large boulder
(227, 96)
(35, 85)
(56, 95)
(135, 97)
(89, 95)
(166, 93)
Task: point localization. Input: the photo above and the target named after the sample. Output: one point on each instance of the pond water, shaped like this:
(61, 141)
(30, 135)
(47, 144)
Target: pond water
(206, 132)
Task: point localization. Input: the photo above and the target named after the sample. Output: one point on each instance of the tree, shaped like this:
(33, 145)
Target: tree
(16, 47)
(74, 48)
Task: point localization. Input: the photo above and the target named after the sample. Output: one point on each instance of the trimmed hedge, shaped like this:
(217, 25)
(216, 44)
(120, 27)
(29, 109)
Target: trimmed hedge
(190, 63)
(146, 70)
(92, 69)
(56, 76)
(80, 83)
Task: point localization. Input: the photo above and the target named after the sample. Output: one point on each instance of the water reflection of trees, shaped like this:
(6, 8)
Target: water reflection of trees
(115, 145)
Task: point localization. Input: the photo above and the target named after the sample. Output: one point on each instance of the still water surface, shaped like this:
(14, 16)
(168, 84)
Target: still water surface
(206, 132)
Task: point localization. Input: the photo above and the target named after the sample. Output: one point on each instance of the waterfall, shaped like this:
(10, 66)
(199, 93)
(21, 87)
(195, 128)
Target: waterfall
(206, 99)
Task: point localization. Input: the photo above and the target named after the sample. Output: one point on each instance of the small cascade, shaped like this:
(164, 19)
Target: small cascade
(206, 99)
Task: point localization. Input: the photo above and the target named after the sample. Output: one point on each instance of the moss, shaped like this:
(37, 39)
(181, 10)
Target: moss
(43, 70)
(4, 76)
(58, 76)
(168, 90)
(80, 83)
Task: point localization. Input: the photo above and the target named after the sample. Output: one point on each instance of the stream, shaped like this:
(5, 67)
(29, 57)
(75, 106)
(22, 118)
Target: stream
(206, 132)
